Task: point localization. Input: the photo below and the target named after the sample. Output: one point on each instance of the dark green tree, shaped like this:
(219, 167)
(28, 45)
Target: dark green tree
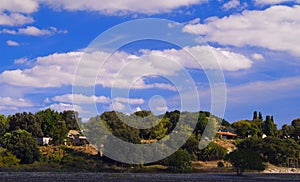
(22, 145)
(50, 121)
(269, 127)
(71, 119)
(260, 116)
(179, 161)
(25, 121)
(255, 117)
(4, 125)
(296, 125)
(287, 131)
(242, 159)
(59, 133)
(212, 152)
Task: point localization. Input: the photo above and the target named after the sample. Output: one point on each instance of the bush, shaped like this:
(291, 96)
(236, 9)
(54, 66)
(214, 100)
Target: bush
(180, 161)
(212, 152)
(7, 159)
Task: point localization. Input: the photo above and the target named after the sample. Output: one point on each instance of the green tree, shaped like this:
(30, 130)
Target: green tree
(71, 119)
(179, 161)
(23, 145)
(7, 159)
(269, 127)
(296, 125)
(260, 116)
(255, 115)
(287, 131)
(242, 159)
(245, 128)
(25, 121)
(4, 125)
(160, 130)
(48, 119)
(59, 133)
(213, 151)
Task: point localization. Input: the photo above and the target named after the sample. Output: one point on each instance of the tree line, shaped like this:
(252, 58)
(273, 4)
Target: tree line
(259, 139)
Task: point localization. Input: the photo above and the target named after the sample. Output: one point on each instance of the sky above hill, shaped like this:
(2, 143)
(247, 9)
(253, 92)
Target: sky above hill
(256, 44)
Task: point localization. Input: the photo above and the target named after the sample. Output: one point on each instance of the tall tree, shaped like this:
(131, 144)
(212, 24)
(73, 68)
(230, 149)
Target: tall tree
(71, 119)
(260, 117)
(269, 127)
(255, 115)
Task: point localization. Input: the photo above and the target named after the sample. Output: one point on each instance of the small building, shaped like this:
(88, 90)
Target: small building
(75, 137)
(227, 135)
(44, 140)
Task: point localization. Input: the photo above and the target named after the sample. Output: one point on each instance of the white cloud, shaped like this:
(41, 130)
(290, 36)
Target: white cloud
(14, 19)
(34, 31)
(194, 21)
(63, 107)
(257, 56)
(15, 12)
(6, 103)
(272, 2)
(24, 6)
(23, 60)
(275, 28)
(81, 99)
(12, 43)
(133, 101)
(231, 4)
(57, 70)
(117, 7)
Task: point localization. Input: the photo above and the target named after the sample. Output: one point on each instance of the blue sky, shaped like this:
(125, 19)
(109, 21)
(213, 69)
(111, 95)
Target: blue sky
(256, 43)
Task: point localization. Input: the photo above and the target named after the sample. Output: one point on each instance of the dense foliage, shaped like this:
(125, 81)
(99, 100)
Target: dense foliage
(258, 139)
(243, 159)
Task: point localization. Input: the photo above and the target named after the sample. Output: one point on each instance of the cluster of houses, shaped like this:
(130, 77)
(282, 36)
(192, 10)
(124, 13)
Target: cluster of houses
(77, 138)
(74, 137)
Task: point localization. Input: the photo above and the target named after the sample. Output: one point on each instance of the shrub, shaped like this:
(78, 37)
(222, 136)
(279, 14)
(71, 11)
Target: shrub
(212, 152)
(180, 161)
(7, 159)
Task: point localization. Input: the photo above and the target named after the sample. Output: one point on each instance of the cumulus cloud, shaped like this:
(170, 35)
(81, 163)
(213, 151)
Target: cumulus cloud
(15, 12)
(24, 6)
(60, 107)
(81, 99)
(275, 28)
(9, 103)
(231, 4)
(33, 31)
(12, 43)
(14, 19)
(57, 70)
(116, 7)
(133, 101)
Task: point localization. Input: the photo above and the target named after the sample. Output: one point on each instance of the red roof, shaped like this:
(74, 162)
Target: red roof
(226, 133)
